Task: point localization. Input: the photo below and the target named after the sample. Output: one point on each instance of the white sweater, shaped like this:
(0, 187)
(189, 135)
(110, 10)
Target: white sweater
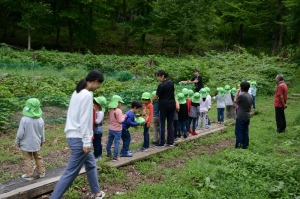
(80, 117)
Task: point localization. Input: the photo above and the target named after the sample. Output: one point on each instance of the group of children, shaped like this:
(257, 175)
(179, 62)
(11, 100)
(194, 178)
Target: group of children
(191, 113)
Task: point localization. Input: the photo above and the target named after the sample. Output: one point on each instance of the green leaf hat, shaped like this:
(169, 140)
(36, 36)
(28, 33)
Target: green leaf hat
(221, 91)
(233, 91)
(207, 90)
(185, 91)
(227, 89)
(253, 84)
(101, 101)
(181, 98)
(196, 98)
(32, 108)
(203, 93)
(114, 102)
(190, 93)
(146, 95)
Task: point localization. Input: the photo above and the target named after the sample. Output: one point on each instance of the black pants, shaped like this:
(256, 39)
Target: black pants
(169, 115)
(280, 119)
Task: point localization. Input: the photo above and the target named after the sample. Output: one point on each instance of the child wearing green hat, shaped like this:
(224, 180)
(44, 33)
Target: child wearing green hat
(194, 113)
(30, 136)
(155, 119)
(204, 106)
(147, 114)
(228, 102)
(116, 118)
(220, 104)
(208, 98)
(182, 116)
(99, 103)
(188, 103)
(129, 122)
(253, 93)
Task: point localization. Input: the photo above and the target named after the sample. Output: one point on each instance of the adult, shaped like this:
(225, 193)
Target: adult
(197, 80)
(280, 100)
(79, 134)
(165, 93)
(244, 101)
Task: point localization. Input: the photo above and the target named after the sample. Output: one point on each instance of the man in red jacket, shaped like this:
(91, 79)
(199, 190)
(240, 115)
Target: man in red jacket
(280, 100)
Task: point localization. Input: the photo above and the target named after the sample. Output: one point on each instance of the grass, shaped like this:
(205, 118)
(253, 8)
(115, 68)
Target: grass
(268, 169)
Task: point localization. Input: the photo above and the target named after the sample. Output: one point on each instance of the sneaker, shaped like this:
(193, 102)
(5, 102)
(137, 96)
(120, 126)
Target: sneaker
(109, 155)
(101, 196)
(207, 126)
(155, 142)
(185, 136)
(128, 154)
(159, 145)
(176, 139)
(27, 178)
(42, 175)
(115, 159)
(142, 149)
(170, 145)
(194, 133)
(190, 131)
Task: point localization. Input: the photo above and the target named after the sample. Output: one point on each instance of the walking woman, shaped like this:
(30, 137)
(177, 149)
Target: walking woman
(165, 93)
(79, 134)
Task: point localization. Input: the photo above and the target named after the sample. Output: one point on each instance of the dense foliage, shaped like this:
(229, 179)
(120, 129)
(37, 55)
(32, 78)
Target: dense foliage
(52, 77)
(167, 27)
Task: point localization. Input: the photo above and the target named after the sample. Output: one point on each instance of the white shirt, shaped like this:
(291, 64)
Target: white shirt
(80, 117)
(99, 117)
(208, 98)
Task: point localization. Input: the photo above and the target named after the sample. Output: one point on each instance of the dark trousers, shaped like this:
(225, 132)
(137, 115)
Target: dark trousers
(175, 124)
(194, 120)
(220, 114)
(169, 115)
(126, 138)
(146, 137)
(182, 128)
(97, 145)
(280, 119)
(242, 133)
(253, 102)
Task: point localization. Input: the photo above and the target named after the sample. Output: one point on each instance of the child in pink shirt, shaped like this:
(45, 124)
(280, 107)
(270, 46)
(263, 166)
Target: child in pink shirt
(115, 117)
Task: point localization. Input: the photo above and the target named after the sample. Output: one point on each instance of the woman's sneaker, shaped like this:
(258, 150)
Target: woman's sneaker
(142, 149)
(27, 178)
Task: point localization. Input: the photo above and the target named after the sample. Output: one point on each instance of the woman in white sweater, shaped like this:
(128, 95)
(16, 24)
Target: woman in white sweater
(79, 132)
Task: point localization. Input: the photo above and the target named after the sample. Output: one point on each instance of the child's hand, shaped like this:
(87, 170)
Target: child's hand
(86, 149)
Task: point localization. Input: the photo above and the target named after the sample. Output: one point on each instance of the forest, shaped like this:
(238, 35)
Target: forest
(141, 27)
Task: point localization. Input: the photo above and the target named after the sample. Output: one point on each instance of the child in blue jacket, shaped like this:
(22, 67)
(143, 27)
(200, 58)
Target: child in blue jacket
(129, 122)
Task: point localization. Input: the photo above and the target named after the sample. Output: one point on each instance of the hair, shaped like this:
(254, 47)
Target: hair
(92, 76)
(136, 104)
(280, 77)
(162, 73)
(204, 99)
(245, 86)
(99, 105)
(196, 70)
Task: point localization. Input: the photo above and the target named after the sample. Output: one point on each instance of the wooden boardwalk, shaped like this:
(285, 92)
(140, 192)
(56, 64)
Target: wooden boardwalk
(23, 189)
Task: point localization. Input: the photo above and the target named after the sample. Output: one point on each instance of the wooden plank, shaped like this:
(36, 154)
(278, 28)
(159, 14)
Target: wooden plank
(296, 94)
(45, 186)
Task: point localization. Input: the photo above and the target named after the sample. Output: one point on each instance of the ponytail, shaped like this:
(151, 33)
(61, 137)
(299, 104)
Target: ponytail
(81, 85)
(92, 76)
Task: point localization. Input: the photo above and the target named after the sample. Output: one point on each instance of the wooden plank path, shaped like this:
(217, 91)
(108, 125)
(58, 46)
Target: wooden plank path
(23, 189)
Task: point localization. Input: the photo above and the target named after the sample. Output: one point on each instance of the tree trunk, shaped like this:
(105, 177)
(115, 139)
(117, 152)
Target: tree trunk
(275, 42)
(143, 41)
(29, 39)
(126, 30)
(280, 37)
(241, 34)
(57, 36)
(179, 49)
(71, 36)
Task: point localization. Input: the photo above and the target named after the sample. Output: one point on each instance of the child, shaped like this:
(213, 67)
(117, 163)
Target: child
(175, 123)
(155, 119)
(188, 103)
(208, 98)
(30, 137)
(182, 116)
(204, 105)
(220, 105)
(129, 122)
(185, 92)
(233, 92)
(147, 114)
(99, 103)
(115, 117)
(194, 113)
(253, 93)
(229, 102)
